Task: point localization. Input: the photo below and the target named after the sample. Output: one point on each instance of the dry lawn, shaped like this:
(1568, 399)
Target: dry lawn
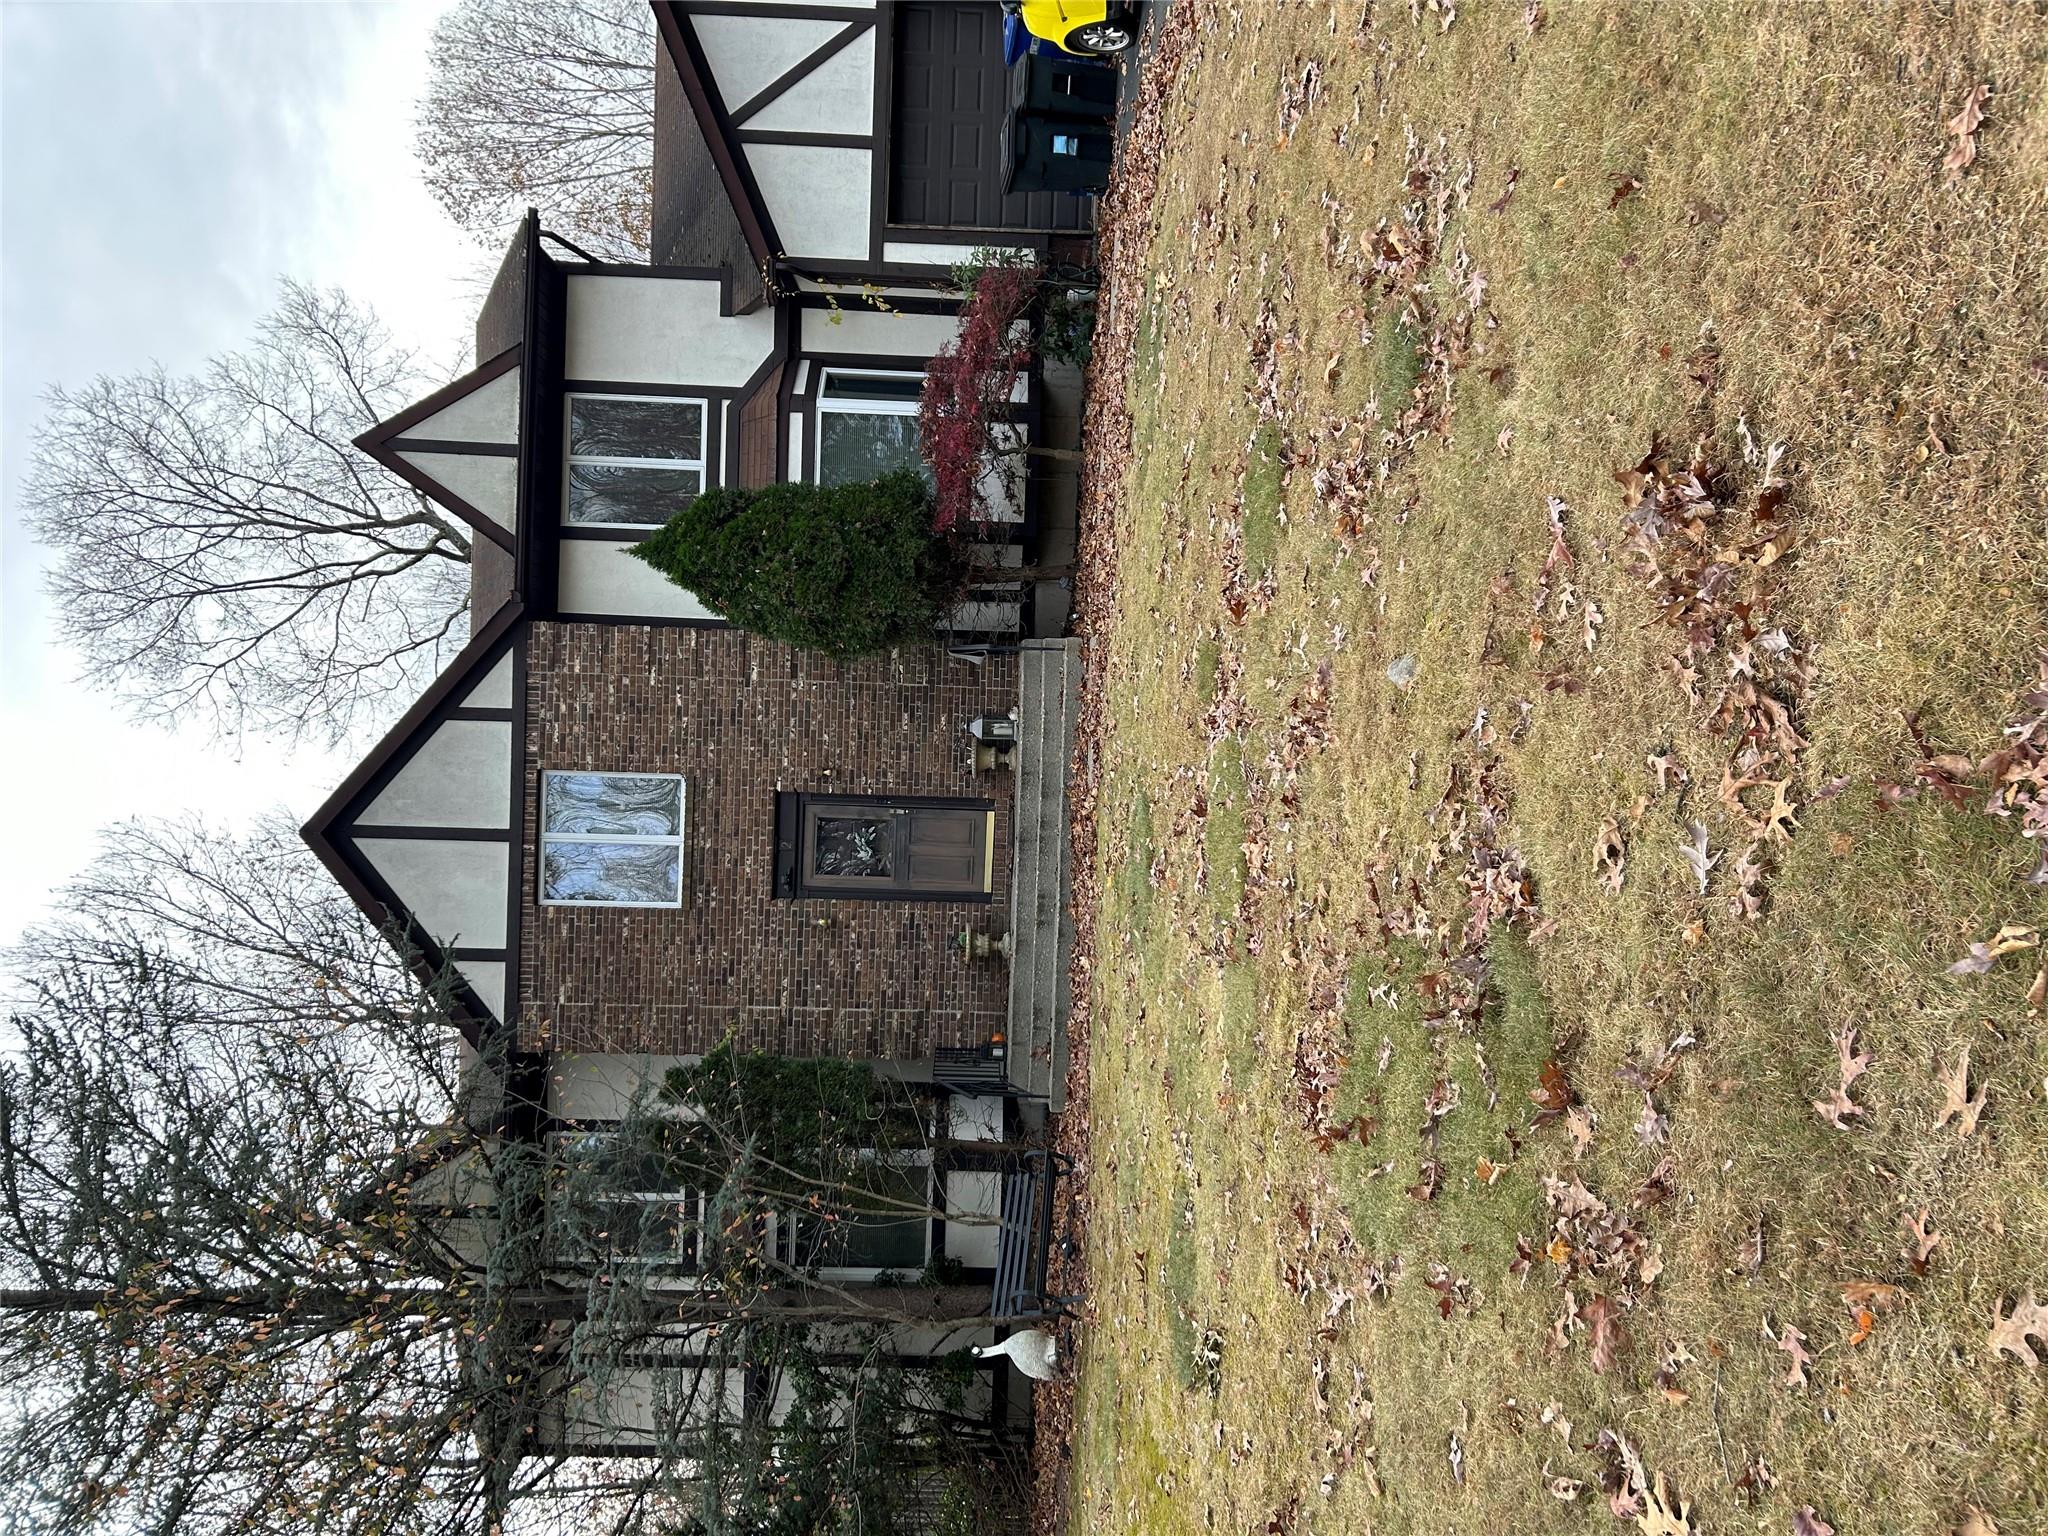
(1355, 374)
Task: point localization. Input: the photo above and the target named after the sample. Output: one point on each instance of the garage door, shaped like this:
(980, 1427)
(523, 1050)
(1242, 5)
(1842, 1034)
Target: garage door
(946, 121)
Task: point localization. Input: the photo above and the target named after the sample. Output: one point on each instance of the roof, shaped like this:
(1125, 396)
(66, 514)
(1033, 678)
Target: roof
(694, 224)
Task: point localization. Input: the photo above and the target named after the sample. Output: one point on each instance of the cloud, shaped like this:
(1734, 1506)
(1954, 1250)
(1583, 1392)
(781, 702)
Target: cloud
(161, 166)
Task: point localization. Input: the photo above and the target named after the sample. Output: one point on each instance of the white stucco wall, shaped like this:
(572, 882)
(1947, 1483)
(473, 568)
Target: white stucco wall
(601, 1087)
(461, 776)
(747, 52)
(600, 576)
(455, 890)
(486, 978)
(494, 689)
(487, 414)
(836, 97)
(487, 481)
(817, 197)
(662, 330)
(874, 332)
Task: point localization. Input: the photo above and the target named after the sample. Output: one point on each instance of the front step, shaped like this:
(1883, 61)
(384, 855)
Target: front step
(1041, 921)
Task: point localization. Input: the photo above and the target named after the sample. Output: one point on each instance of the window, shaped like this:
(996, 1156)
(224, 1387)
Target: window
(867, 425)
(896, 848)
(634, 460)
(622, 1205)
(873, 1237)
(611, 839)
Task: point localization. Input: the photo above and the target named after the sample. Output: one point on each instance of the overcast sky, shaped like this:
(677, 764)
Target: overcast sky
(161, 167)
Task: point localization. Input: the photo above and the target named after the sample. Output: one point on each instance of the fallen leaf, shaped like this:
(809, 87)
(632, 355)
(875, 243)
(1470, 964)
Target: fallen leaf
(2009, 940)
(1653, 1128)
(1957, 1104)
(1693, 849)
(1664, 1513)
(1603, 1315)
(1963, 126)
(1610, 855)
(1500, 204)
(1806, 1523)
(1578, 1121)
(1976, 1523)
(1921, 1241)
(1793, 1343)
(1865, 1320)
(1838, 1106)
(1779, 822)
(2009, 1335)
(1553, 1091)
(1624, 187)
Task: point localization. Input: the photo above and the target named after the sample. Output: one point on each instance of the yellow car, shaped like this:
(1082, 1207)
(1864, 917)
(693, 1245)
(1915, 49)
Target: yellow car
(1080, 26)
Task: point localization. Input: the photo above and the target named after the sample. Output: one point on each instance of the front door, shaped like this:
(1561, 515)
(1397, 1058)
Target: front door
(863, 846)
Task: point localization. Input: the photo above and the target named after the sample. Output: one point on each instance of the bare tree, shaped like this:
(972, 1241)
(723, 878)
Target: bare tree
(544, 103)
(225, 554)
(276, 1255)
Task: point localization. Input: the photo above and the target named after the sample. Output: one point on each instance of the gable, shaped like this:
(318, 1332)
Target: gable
(460, 446)
(422, 834)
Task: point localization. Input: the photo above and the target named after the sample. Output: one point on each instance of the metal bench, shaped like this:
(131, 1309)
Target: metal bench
(1025, 1241)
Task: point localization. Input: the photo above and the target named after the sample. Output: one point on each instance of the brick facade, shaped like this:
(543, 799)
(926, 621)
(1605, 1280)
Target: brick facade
(743, 718)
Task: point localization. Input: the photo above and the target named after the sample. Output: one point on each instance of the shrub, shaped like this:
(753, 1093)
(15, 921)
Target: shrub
(847, 569)
(966, 395)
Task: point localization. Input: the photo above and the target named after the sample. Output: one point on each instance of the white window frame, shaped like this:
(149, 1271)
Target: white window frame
(677, 840)
(858, 407)
(699, 463)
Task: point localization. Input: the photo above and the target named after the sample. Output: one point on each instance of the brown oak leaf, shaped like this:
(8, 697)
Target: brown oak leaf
(1963, 127)
(1793, 1343)
(1957, 1104)
(1610, 854)
(2009, 1335)
(1920, 1240)
(1779, 822)
(1603, 1315)
(1553, 1091)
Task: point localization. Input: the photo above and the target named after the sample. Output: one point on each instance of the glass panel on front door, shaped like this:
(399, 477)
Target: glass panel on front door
(907, 848)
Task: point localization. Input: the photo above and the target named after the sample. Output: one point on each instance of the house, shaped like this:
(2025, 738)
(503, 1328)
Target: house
(631, 832)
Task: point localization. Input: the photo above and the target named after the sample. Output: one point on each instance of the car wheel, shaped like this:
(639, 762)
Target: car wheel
(1103, 37)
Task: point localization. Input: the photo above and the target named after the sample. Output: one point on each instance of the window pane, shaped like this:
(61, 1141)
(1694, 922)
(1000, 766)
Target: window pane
(857, 846)
(853, 446)
(873, 1239)
(635, 429)
(646, 873)
(854, 386)
(603, 493)
(613, 805)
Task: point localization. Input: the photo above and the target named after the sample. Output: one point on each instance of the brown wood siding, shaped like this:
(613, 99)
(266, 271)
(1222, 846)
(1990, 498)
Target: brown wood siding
(760, 461)
(742, 719)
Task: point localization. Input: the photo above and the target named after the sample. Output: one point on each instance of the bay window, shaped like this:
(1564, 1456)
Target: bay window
(867, 424)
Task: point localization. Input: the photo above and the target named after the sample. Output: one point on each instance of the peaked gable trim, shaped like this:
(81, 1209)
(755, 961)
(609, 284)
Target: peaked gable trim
(386, 443)
(332, 829)
(701, 91)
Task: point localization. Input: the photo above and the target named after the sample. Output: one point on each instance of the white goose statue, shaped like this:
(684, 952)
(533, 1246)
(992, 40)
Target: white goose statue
(1032, 1350)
